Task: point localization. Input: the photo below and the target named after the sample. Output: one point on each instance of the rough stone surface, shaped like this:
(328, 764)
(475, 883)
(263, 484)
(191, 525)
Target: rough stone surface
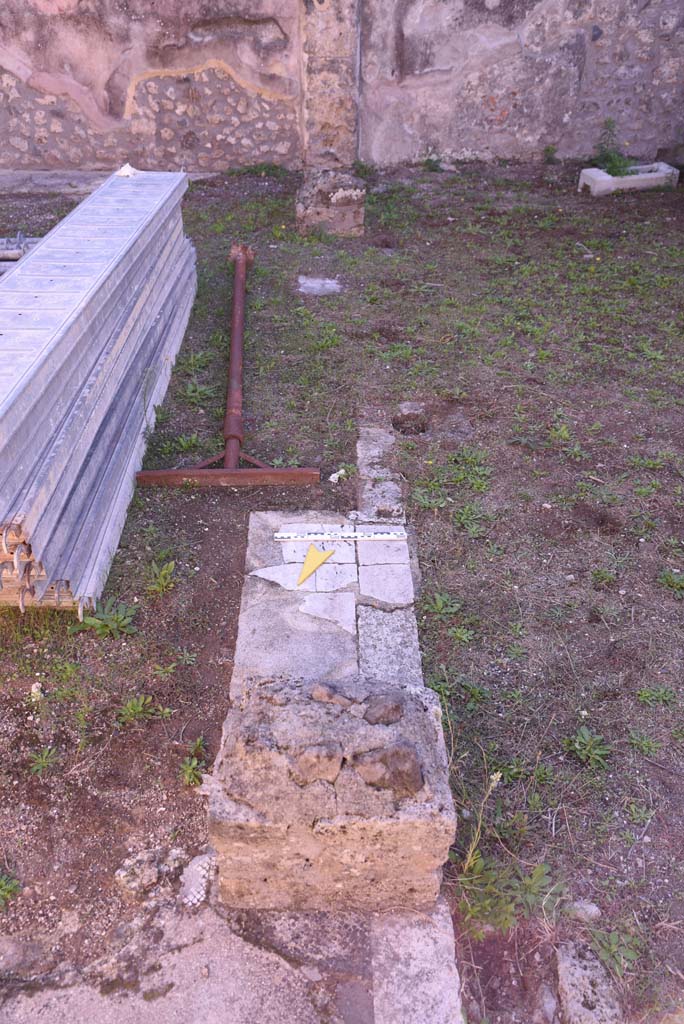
(272, 968)
(420, 950)
(584, 911)
(396, 767)
(196, 879)
(310, 807)
(411, 418)
(385, 709)
(145, 870)
(388, 584)
(586, 992)
(199, 963)
(389, 654)
(508, 77)
(380, 490)
(331, 201)
(195, 85)
(318, 84)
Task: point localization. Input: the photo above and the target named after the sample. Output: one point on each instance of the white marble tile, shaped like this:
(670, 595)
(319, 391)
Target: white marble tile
(391, 584)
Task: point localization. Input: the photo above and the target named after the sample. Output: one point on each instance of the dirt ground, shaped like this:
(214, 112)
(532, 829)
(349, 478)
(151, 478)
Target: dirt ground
(542, 331)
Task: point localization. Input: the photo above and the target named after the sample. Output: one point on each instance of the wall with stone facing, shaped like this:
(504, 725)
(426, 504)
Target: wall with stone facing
(201, 84)
(505, 78)
(209, 84)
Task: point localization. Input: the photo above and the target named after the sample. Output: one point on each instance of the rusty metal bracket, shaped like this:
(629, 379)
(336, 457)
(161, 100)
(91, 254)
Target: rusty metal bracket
(230, 474)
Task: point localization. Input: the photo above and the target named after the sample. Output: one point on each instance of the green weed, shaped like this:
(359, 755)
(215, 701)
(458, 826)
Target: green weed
(108, 619)
(589, 747)
(9, 888)
(42, 761)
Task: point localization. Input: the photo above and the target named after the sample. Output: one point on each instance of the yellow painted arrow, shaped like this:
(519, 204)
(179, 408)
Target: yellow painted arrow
(314, 559)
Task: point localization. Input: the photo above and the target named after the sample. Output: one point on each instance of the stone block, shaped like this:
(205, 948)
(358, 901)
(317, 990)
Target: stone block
(279, 635)
(415, 980)
(642, 176)
(312, 807)
(390, 584)
(331, 201)
(389, 654)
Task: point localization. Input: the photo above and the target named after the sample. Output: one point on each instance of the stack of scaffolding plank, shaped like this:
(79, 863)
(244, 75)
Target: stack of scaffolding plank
(91, 320)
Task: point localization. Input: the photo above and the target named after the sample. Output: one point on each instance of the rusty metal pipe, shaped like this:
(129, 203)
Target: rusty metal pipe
(230, 474)
(233, 428)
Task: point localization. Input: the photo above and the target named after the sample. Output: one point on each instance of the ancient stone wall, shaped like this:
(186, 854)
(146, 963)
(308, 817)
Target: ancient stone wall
(200, 84)
(506, 78)
(209, 84)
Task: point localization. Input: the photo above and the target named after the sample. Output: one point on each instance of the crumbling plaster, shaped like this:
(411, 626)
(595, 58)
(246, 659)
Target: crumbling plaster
(207, 84)
(506, 78)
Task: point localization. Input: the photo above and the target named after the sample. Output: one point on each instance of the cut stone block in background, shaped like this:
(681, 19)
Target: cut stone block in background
(641, 176)
(332, 201)
(311, 807)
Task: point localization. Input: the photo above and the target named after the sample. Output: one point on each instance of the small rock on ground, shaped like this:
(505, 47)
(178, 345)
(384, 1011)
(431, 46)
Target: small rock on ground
(585, 990)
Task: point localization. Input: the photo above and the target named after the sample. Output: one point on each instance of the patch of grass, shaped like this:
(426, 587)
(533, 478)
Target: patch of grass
(471, 517)
(674, 582)
(618, 950)
(603, 578)
(657, 695)
(198, 395)
(9, 888)
(442, 605)
(643, 744)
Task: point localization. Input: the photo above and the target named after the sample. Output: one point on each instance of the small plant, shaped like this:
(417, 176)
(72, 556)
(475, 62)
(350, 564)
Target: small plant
(197, 395)
(364, 171)
(9, 888)
(191, 771)
(589, 747)
(194, 764)
(187, 657)
(108, 619)
(475, 695)
(619, 951)
(543, 774)
(608, 155)
(164, 671)
(470, 518)
(442, 605)
(462, 635)
(674, 581)
(187, 442)
(603, 578)
(639, 814)
(161, 578)
(643, 744)
(432, 163)
(428, 498)
(140, 709)
(658, 695)
(550, 154)
(42, 761)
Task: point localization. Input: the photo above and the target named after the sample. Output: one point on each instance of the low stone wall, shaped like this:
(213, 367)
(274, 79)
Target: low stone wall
(207, 84)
